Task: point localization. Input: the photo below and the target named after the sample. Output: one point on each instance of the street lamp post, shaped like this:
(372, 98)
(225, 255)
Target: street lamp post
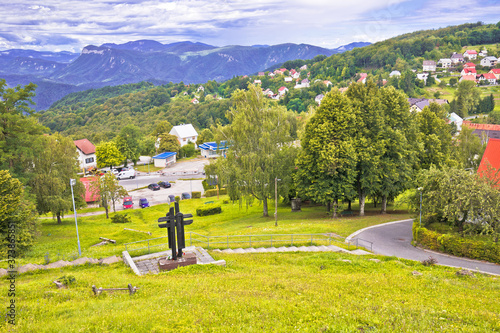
(72, 182)
(276, 201)
(420, 221)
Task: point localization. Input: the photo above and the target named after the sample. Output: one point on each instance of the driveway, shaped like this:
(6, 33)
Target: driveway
(394, 239)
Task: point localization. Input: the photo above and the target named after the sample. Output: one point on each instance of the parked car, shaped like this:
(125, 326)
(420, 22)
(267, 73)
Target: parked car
(128, 203)
(185, 195)
(154, 187)
(143, 202)
(126, 174)
(171, 198)
(165, 184)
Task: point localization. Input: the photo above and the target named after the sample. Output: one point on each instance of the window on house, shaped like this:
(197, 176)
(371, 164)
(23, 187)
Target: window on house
(89, 160)
(184, 139)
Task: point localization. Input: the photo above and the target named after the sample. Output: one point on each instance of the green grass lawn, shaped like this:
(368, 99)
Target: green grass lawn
(273, 292)
(60, 242)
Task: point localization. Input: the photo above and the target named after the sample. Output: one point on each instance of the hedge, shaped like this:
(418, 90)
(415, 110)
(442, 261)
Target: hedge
(213, 193)
(196, 195)
(210, 209)
(456, 245)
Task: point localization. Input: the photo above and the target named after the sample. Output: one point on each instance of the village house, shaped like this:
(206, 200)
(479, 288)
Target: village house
(491, 78)
(303, 68)
(257, 81)
(261, 74)
(319, 98)
(282, 91)
(429, 65)
(484, 131)
(200, 88)
(490, 163)
(457, 120)
(271, 74)
(288, 79)
(296, 75)
(211, 150)
(468, 78)
(457, 58)
(395, 73)
(195, 101)
(496, 72)
(86, 154)
(468, 71)
(268, 92)
(418, 104)
(165, 159)
(483, 53)
(185, 134)
(470, 54)
(327, 83)
(444, 62)
(363, 77)
(423, 77)
(469, 65)
(489, 61)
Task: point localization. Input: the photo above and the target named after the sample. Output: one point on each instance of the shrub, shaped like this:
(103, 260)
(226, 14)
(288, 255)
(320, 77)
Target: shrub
(207, 186)
(456, 245)
(121, 218)
(196, 195)
(213, 193)
(225, 201)
(210, 209)
(67, 280)
(177, 198)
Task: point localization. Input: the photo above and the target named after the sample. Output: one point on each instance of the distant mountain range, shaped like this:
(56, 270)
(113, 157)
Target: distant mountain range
(60, 73)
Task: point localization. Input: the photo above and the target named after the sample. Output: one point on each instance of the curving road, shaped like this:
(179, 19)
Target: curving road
(394, 239)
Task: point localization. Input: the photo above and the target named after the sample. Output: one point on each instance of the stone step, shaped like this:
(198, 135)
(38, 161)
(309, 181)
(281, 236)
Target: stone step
(272, 249)
(250, 250)
(304, 249)
(239, 250)
(337, 249)
(260, 249)
(283, 249)
(359, 252)
(227, 251)
(314, 249)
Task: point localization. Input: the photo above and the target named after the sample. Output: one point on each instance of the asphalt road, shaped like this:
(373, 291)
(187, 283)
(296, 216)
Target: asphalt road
(394, 239)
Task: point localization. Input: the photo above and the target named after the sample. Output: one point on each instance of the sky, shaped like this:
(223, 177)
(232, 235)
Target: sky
(70, 25)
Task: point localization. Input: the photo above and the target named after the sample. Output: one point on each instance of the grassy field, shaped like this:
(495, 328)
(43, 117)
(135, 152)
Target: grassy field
(272, 292)
(293, 292)
(59, 241)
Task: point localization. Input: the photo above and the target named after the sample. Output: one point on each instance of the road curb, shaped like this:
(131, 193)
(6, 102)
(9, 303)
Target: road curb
(354, 234)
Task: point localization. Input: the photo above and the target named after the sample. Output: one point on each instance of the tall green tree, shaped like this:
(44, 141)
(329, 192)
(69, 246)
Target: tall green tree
(326, 164)
(109, 191)
(169, 142)
(19, 128)
(401, 146)
(54, 165)
(206, 135)
(108, 155)
(259, 137)
(18, 216)
(369, 140)
(128, 143)
(468, 97)
(162, 127)
(469, 148)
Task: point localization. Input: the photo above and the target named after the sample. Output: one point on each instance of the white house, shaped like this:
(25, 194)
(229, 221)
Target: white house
(445, 62)
(470, 54)
(490, 77)
(423, 77)
(185, 134)
(200, 88)
(489, 61)
(257, 81)
(363, 77)
(429, 65)
(319, 98)
(163, 160)
(468, 71)
(86, 154)
(288, 79)
(470, 65)
(395, 73)
(195, 101)
(210, 149)
(282, 91)
(483, 53)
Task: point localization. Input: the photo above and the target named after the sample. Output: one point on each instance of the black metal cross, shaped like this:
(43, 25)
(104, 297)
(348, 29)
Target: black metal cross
(175, 220)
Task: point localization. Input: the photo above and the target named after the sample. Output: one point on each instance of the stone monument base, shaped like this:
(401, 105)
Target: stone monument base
(169, 264)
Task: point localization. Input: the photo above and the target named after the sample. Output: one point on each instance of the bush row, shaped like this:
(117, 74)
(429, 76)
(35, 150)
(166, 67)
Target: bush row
(196, 195)
(456, 245)
(213, 193)
(210, 209)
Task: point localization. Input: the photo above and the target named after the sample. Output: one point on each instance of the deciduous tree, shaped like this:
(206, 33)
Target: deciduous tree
(108, 155)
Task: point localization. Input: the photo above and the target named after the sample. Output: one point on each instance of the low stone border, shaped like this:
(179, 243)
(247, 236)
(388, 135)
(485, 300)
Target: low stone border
(62, 263)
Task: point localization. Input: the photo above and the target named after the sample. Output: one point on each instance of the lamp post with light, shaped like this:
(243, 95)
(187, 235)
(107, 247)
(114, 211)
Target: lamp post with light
(420, 189)
(72, 182)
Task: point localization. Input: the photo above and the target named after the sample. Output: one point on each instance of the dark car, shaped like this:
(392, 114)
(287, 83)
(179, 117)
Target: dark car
(171, 198)
(154, 187)
(128, 203)
(165, 184)
(143, 202)
(185, 195)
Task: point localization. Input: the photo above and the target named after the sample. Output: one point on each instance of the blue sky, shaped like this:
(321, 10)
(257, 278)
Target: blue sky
(57, 25)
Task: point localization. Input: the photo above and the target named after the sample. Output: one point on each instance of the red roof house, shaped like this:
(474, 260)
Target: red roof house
(89, 195)
(490, 163)
(470, 65)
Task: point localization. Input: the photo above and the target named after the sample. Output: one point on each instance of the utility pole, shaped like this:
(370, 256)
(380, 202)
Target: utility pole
(276, 201)
(73, 182)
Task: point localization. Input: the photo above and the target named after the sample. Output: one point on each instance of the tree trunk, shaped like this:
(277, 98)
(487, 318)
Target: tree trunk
(107, 212)
(264, 204)
(362, 198)
(328, 207)
(349, 205)
(335, 205)
(59, 221)
(384, 205)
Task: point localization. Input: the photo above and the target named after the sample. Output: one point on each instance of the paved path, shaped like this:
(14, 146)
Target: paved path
(394, 239)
